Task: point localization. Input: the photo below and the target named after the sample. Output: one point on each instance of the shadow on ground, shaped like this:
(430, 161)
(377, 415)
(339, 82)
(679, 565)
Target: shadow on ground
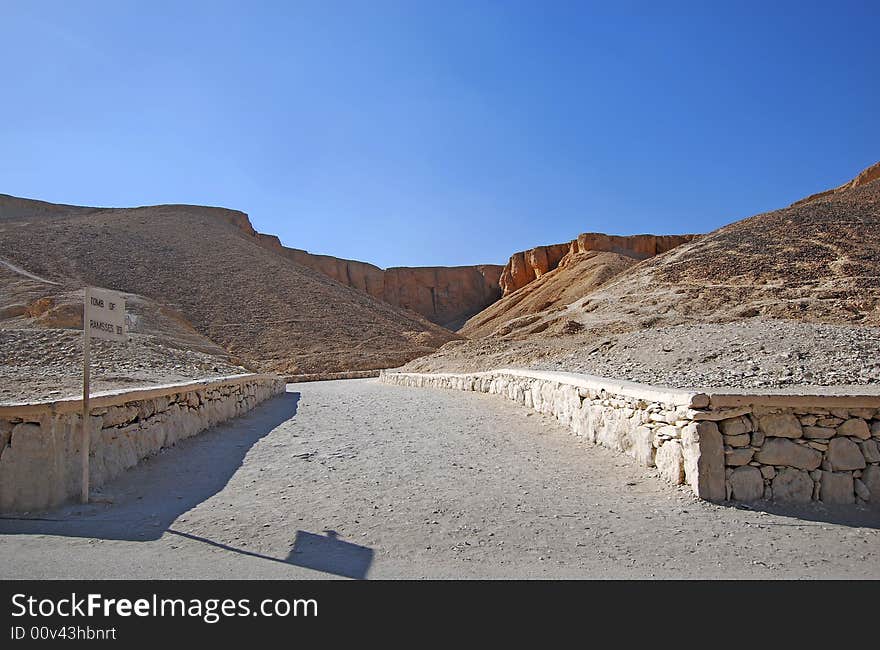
(327, 554)
(854, 516)
(143, 503)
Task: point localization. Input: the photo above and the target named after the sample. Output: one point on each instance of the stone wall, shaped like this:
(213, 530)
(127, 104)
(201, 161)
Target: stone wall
(724, 446)
(40, 443)
(331, 376)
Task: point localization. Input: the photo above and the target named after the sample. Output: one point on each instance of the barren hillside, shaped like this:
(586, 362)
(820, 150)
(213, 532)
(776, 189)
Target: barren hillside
(445, 295)
(785, 273)
(543, 280)
(200, 265)
(577, 275)
(817, 261)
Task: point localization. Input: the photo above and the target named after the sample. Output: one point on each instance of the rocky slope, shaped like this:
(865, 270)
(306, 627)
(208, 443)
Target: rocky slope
(546, 279)
(576, 275)
(445, 295)
(527, 266)
(869, 175)
(212, 278)
(813, 264)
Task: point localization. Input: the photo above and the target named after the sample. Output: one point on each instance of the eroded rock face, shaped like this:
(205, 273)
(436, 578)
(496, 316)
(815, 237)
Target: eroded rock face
(526, 266)
(446, 295)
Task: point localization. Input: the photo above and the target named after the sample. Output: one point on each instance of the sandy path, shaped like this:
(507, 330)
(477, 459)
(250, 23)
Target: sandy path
(419, 483)
(17, 269)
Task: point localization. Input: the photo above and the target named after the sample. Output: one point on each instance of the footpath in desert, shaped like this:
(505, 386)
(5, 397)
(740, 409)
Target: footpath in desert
(657, 405)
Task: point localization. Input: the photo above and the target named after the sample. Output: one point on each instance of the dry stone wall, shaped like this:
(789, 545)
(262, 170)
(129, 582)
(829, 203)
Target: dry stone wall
(724, 446)
(40, 443)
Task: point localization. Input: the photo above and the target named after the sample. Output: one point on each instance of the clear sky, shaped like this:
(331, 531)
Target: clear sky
(429, 133)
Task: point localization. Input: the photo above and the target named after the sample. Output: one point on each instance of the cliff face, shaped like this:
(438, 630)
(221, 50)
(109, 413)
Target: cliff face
(444, 295)
(518, 314)
(447, 296)
(526, 266)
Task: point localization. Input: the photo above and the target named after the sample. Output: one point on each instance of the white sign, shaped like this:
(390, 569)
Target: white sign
(105, 314)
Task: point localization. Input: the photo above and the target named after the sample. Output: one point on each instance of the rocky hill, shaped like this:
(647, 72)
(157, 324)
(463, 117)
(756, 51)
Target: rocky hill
(445, 295)
(787, 274)
(527, 266)
(576, 275)
(548, 278)
(211, 276)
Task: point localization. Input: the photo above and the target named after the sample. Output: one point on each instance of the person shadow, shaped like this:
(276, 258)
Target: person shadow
(143, 503)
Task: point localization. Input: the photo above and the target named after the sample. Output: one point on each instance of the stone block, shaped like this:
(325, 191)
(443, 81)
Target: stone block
(861, 489)
(642, 446)
(819, 433)
(779, 451)
(870, 450)
(781, 425)
(837, 487)
(792, 485)
(741, 440)
(119, 415)
(737, 457)
(735, 426)
(703, 450)
(670, 462)
(746, 484)
(856, 428)
(844, 454)
(871, 479)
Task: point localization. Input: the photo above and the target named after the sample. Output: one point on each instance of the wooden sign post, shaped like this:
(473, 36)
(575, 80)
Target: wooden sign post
(104, 318)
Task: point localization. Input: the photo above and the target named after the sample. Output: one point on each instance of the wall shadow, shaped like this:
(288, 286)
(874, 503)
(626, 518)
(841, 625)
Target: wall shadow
(143, 502)
(854, 516)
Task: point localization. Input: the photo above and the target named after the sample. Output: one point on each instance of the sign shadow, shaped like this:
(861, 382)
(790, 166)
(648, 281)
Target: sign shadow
(143, 502)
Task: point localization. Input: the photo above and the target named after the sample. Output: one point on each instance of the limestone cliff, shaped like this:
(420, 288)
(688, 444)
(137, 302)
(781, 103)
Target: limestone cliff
(445, 295)
(527, 266)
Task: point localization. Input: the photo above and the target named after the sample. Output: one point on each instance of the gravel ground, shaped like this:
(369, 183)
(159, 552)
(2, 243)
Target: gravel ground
(753, 354)
(38, 364)
(419, 483)
(745, 354)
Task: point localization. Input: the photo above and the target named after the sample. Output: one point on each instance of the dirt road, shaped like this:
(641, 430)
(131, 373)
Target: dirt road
(359, 479)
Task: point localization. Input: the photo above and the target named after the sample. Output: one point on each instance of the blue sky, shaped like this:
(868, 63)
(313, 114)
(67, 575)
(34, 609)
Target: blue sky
(439, 133)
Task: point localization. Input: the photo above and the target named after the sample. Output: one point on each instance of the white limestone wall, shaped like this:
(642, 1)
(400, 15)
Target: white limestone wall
(40, 443)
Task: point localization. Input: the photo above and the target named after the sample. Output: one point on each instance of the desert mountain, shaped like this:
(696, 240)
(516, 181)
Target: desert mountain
(817, 261)
(577, 275)
(527, 266)
(794, 287)
(445, 295)
(199, 274)
(548, 278)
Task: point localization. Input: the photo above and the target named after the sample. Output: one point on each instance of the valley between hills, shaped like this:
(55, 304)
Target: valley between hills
(785, 298)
